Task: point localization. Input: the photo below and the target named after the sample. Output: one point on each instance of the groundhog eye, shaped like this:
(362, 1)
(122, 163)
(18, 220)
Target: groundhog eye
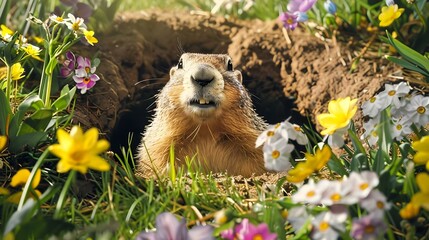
(229, 65)
(180, 64)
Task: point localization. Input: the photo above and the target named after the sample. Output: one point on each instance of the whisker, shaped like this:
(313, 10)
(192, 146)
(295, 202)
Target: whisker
(196, 132)
(150, 85)
(147, 80)
(211, 133)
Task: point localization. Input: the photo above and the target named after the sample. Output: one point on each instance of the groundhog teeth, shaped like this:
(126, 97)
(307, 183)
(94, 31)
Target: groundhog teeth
(203, 101)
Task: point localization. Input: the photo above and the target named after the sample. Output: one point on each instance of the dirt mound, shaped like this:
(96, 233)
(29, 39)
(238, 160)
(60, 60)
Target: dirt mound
(296, 79)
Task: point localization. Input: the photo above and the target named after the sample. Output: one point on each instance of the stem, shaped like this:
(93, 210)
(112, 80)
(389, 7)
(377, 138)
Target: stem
(30, 179)
(8, 80)
(48, 91)
(63, 193)
(422, 18)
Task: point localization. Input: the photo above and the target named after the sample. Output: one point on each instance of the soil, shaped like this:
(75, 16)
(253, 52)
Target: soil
(295, 79)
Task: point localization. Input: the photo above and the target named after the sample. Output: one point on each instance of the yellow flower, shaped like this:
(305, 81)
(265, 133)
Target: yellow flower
(89, 35)
(340, 113)
(4, 191)
(389, 14)
(17, 71)
(79, 151)
(409, 211)
(38, 39)
(32, 51)
(313, 163)
(422, 198)
(3, 142)
(5, 31)
(20, 179)
(422, 151)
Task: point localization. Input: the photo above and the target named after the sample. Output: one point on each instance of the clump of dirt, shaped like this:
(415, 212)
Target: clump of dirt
(294, 79)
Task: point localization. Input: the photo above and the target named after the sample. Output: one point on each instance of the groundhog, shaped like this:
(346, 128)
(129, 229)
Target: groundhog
(207, 115)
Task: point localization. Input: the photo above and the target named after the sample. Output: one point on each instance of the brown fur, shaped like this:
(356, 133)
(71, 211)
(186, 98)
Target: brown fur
(225, 140)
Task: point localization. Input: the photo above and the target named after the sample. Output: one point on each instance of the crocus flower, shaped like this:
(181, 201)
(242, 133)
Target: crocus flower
(289, 20)
(341, 111)
(79, 151)
(389, 14)
(369, 227)
(247, 231)
(84, 75)
(330, 7)
(300, 5)
(20, 179)
(422, 151)
(169, 228)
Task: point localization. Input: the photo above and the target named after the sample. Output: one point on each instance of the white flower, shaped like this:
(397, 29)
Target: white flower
(277, 154)
(375, 202)
(57, 19)
(371, 128)
(359, 185)
(392, 93)
(75, 23)
(373, 106)
(326, 226)
(335, 193)
(401, 128)
(295, 133)
(336, 139)
(271, 134)
(418, 110)
(309, 193)
(298, 217)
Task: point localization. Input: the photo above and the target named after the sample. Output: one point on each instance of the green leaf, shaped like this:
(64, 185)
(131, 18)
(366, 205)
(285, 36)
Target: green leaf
(359, 162)
(407, 64)
(409, 54)
(19, 217)
(37, 122)
(43, 227)
(65, 98)
(19, 143)
(5, 112)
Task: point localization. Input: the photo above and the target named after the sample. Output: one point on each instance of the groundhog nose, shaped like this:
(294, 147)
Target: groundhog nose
(202, 82)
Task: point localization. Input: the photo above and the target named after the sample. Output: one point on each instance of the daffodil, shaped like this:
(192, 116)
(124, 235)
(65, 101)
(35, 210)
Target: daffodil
(3, 142)
(389, 14)
(422, 198)
(341, 111)
(20, 179)
(89, 36)
(422, 151)
(17, 71)
(79, 151)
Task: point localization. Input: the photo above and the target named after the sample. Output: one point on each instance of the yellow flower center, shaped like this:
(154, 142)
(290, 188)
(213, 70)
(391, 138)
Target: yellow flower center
(335, 197)
(87, 69)
(275, 154)
(258, 237)
(363, 186)
(421, 110)
(86, 80)
(285, 213)
(311, 194)
(399, 127)
(270, 133)
(380, 204)
(369, 229)
(372, 100)
(59, 19)
(77, 156)
(297, 128)
(75, 26)
(323, 226)
(290, 21)
(391, 93)
(277, 125)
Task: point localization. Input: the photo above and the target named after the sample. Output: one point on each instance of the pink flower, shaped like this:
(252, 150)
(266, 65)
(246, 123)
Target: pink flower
(68, 65)
(300, 5)
(289, 20)
(247, 231)
(84, 75)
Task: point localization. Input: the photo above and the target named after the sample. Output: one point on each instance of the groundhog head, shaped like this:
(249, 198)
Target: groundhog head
(205, 85)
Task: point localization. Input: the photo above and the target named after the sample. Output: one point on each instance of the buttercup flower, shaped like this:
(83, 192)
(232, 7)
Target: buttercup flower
(3, 142)
(389, 14)
(422, 198)
(32, 51)
(79, 151)
(422, 151)
(5, 32)
(289, 20)
(89, 36)
(168, 227)
(340, 113)
(410, 210)
(17, 71)
(20, 179)
(368, 227)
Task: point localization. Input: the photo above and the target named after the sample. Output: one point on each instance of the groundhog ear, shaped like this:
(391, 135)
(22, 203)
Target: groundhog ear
(172, 71)
(239, 76)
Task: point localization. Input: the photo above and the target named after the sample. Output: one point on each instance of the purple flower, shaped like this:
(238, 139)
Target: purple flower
(330, 7)
(84, 75)
(247, 231)
(300, 5)
(289, 20)
(368, 227)
(169, 228)
(68, 65)
(85, 64)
